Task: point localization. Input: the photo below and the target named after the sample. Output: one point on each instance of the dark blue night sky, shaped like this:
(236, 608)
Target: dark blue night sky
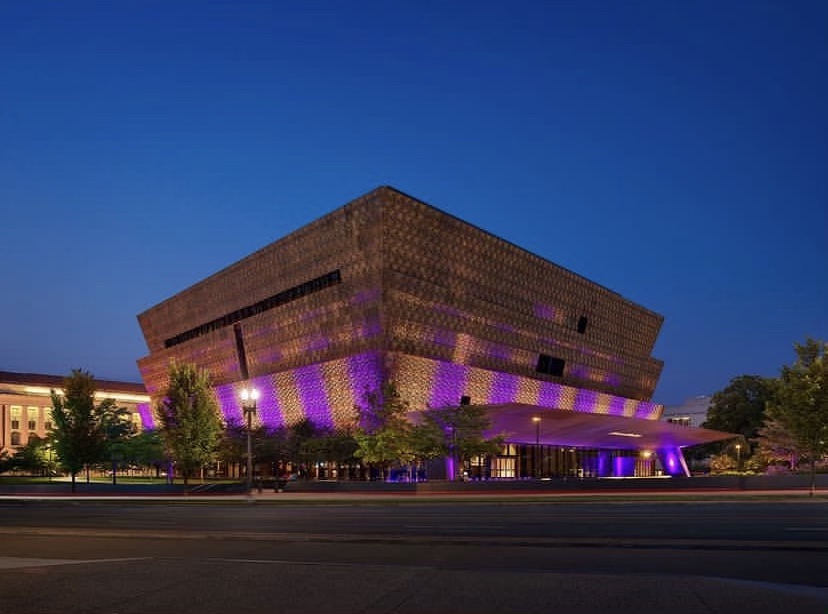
(676, 153)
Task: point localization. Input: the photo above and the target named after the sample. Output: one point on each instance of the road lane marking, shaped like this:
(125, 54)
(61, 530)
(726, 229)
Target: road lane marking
(806, 529)
(15, 562)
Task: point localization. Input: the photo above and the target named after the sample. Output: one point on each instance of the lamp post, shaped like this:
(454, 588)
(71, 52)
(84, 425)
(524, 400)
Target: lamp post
(738, 457)
(249, 396)
(537, 421)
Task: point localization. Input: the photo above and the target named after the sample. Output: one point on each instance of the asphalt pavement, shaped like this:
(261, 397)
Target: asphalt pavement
(391, 553)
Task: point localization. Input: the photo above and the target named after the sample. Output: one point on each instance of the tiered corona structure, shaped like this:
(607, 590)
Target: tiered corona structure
(388, 288)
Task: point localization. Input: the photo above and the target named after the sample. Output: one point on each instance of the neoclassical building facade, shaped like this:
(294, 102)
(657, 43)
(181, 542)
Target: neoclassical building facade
(26, 405)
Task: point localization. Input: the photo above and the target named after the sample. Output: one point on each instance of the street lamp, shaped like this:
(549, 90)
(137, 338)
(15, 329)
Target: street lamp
(249, 396)
(738, 457)
(537, 421)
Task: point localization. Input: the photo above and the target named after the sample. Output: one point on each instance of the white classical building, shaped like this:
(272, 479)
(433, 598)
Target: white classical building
(693, 412)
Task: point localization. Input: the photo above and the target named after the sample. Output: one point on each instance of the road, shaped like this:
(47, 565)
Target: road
(89, 556)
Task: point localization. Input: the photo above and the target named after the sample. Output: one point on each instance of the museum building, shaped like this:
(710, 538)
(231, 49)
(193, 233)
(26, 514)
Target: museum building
(390, 289)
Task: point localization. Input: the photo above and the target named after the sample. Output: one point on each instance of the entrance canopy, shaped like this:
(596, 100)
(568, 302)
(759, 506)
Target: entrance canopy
(559, 427)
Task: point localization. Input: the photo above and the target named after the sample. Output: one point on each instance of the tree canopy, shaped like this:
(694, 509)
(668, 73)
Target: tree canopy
(461, 431)
(384, 433)
(801, 402)
(190, 424)
(740, 407)
(82, 430)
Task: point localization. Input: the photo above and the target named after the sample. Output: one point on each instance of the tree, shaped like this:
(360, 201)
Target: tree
(190, 424)
(740, 407)
(776, 445)
(384, 433)
(33, 458)
(145, 449)
(462, 429)
(80, 432)
(801, 402)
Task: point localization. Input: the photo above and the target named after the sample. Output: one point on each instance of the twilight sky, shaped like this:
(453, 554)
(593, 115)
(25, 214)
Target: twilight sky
(676, 153)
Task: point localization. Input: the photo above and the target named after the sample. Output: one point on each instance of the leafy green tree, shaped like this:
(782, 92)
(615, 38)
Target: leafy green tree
(145, 449)
(80, 434)
(384, 433)
(232, 444)
(118, 428)
(775, 445)
(190, 424)
(5, 461)
(300, 447)
(740, 407)
(33, 458)
(461, 430)
(801, 402)
(332, 446)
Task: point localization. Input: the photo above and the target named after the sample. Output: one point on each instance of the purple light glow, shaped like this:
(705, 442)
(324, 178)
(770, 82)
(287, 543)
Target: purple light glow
(550, 395)
(647, 410)
(370, 328)
(586, 401)
(504, 388)
(147, 419)
(317, 343)
(623, 466)
(445, 337)
(616, 406)
(366, 296)
(364, 375)
(672, 461)
(581, 372)
(314, 398)
(449, 384)
(544, 311)
(270, 412)
(229, 403)
(499, 351)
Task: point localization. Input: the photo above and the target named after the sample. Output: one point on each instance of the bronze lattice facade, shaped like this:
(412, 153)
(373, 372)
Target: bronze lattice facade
(390, 288)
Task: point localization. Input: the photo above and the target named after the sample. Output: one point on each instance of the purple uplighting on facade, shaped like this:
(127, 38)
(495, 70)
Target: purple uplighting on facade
(586, 400)
(544, 311)
(270, 412)
(623, 466)
(449, 384)
(616, 406)
(366, 296)
(581, 372)
(147, 418)
(364, 375)
(229, 403)
(504, 389)
(550, 395)
(445, 337)
(371, 328)
(672, 461)
(317, 343)
(314, 399)
(647, 410)
(500, 351)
